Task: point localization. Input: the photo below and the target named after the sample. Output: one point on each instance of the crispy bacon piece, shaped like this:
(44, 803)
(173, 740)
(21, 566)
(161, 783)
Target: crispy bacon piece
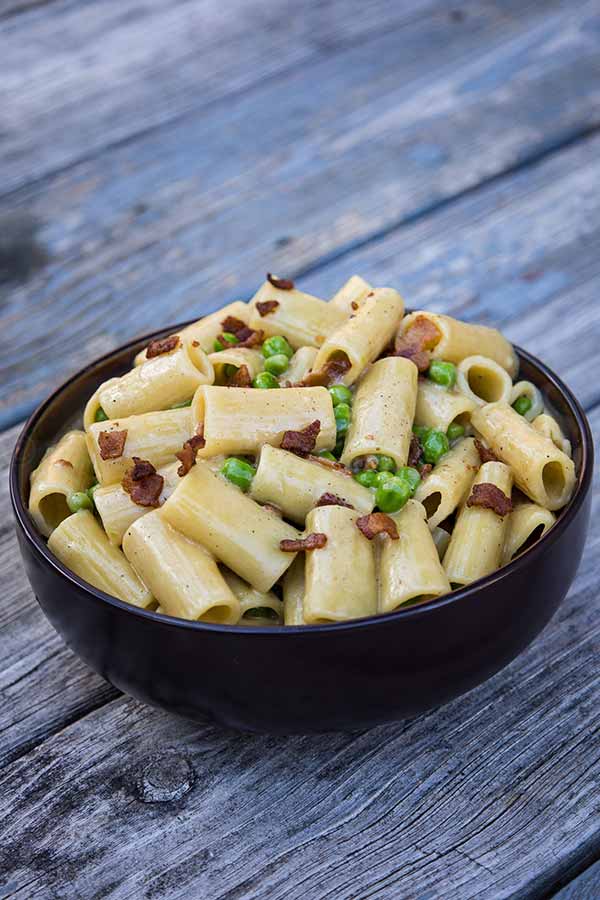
(241, 378)
(488, 496)
(331, 372)
(267, 306)
(314, 541)
(143, 483)
(187, 454)
(232, 324)
(377, 523)
(330, 464)
(485, 454)
(414, 452)
(112, 443)
(282, 284)
(162, 345)
(248, 337)
(303, 441)
(354, 305)
(328, 499)
(424, 470)
(418, 340)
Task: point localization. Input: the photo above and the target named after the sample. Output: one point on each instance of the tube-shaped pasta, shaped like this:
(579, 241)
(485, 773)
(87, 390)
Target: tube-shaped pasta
(361, 338)
(460, 339)
(241, 420)
(301, 318)
(64, 469)
(528, 521)
(527, 389)
(437, 407)
(295, 485)
(154, 436)
(340, 577)
(182, 574)
(447, 485)
(441, 539)
(93, 404)
(236, 357)
(293, 593)
(300, 365)
(477, 541)
(80, 543)
(483, 380)
(351, 294)
(205, 330)
(410, 566)
(549, 427)
(383, 411)
(159, 383)
(251, 600)
(541, 470)
(239, 532)
(118, 511)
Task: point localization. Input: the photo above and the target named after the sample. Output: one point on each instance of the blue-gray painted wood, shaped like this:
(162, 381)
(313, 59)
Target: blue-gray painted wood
(189, 216)
(585, 887)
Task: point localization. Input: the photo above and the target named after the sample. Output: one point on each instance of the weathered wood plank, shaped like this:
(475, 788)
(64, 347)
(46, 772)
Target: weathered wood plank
(585, 887)
(496, 794)
(82, 81)
(154, 230)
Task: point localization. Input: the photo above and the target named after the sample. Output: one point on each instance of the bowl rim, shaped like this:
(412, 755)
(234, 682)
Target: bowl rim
(40, 548)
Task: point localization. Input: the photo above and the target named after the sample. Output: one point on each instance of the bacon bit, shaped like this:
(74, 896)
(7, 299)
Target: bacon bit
(424, 470)
(330, 464)
(282, 284)
(195, 343)
(267, 306)
(328, 499)
(314, 541)
(354, 305)
(333, 370)
(417, 341)
(420, 358)
(414, 452)
(112, 443)
(488, 496)
(377, 523)
(303, 441)
(485, 454)
(63, 462)
(162, 345)
(232, 325)
(248, 337)
(187, 454)
(241, 378)
(143, 483)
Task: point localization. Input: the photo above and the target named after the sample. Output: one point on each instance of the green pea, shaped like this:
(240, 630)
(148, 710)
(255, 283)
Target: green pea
(340, 394)
(435, 444)
(421, 431)
(100, 415)
(182, 404)
(386, 464)
(522, 404)
(327, 454)
(342, 415)
(275, 345)
(455, 431)
(368, 478)
(392, 494)
(260, 612)
(228, 337)
(410, 475)
(442, 372)
(79, 500)
(238, 471)
(277, 364)
(265, 380)
(382, 477)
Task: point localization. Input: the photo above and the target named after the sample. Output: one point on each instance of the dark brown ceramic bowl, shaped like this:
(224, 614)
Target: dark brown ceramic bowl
(345, 676)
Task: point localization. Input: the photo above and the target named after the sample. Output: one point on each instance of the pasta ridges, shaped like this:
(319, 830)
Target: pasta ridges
(315, 541)
(162, 345)
(377, 523)
(282, 284)
(303, 441)
(112, 443)
(143, 483)
(489, 496)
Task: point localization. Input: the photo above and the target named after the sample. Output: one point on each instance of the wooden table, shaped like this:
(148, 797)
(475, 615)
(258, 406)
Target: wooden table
(156, 160)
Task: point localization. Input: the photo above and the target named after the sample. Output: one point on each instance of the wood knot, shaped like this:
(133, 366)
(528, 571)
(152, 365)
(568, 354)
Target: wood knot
(166, 776)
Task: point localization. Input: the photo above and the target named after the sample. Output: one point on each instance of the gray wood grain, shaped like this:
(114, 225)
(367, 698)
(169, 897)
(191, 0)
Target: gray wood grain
(495, 795)
(192, 215)
(81, 76)
(585, 887)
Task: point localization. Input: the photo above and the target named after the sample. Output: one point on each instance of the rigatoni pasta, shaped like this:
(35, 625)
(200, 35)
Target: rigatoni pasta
(293, 461)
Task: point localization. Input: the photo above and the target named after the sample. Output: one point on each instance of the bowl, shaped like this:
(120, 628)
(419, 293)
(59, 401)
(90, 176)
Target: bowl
(285, 680)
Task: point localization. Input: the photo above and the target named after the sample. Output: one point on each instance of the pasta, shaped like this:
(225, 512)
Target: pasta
(293, 461)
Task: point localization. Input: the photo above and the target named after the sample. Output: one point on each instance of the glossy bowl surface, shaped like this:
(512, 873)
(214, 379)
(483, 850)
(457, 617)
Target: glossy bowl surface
(317, 678)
